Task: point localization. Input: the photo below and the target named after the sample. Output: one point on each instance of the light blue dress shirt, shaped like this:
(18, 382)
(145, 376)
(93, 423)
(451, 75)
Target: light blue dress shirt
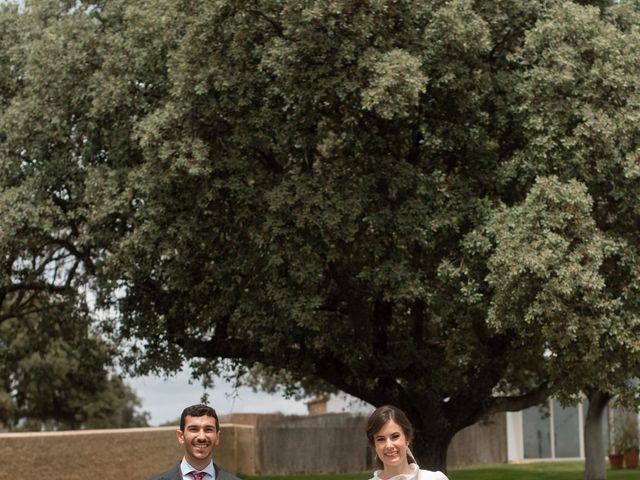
(186, 469)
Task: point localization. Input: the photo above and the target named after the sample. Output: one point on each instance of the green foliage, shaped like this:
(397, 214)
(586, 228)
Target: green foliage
(396, 84)
(171, 423)
(432, 204)
(54, 374)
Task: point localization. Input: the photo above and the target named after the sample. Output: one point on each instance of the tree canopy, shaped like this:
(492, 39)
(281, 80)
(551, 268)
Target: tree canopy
(56, 372)
(432, 204)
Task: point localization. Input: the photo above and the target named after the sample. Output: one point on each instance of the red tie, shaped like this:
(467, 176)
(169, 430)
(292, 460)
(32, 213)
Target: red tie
(198, 475)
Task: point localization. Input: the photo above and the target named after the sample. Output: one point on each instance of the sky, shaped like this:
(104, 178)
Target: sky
(165, 399)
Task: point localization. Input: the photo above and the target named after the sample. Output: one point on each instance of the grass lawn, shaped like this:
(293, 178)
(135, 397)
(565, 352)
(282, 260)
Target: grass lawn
(531, 471)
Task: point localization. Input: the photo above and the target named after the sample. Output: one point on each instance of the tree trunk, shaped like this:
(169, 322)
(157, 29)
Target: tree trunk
(594, 446)
(430, 451)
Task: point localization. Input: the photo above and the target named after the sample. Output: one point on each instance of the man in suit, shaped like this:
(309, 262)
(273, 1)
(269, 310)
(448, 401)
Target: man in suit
(199, 433)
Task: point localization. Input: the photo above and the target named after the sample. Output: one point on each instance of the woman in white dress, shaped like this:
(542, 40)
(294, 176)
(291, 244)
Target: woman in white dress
(389, 433)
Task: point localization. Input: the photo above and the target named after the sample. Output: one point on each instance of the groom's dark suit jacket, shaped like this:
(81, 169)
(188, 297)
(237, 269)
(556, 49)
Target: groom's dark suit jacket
(175, 474)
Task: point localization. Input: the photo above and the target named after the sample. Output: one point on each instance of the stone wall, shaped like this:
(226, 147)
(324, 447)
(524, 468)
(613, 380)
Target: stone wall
(128, 454)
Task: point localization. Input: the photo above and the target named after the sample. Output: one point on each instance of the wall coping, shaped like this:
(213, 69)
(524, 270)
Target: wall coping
(105, 431)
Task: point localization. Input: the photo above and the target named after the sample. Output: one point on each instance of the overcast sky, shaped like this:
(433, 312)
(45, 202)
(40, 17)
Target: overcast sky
(165, 399)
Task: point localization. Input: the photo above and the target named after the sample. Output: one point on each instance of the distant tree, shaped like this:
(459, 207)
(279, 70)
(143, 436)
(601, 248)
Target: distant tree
(118, 407)
(55, 375)
(432, 204)
(171, 423)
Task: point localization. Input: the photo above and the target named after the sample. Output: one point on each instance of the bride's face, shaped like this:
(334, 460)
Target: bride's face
(391, 444)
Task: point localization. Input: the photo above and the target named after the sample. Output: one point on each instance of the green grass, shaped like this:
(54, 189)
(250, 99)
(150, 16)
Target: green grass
(530, 471)
(345, 476)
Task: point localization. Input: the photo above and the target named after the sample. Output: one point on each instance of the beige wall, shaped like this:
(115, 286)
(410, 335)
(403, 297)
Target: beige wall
(126, 454)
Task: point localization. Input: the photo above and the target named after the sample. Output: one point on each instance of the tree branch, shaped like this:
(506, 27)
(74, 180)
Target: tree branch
(276, 26)
(520, 402)
(34, 286)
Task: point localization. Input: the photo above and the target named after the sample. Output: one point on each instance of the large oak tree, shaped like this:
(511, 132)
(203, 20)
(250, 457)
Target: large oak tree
(427, 203)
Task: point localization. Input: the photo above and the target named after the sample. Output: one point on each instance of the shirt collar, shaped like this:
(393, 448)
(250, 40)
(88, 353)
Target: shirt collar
(186, 468)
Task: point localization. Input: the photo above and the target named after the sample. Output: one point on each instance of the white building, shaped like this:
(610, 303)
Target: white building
(546, 432)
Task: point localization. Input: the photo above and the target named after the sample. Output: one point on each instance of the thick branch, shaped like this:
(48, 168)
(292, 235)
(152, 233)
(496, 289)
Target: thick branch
(357, 308)
(22, 313)
(218, 347)
(382, 317)
(332, 371)
(33, 286)
(516, 403)
(276, 26)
